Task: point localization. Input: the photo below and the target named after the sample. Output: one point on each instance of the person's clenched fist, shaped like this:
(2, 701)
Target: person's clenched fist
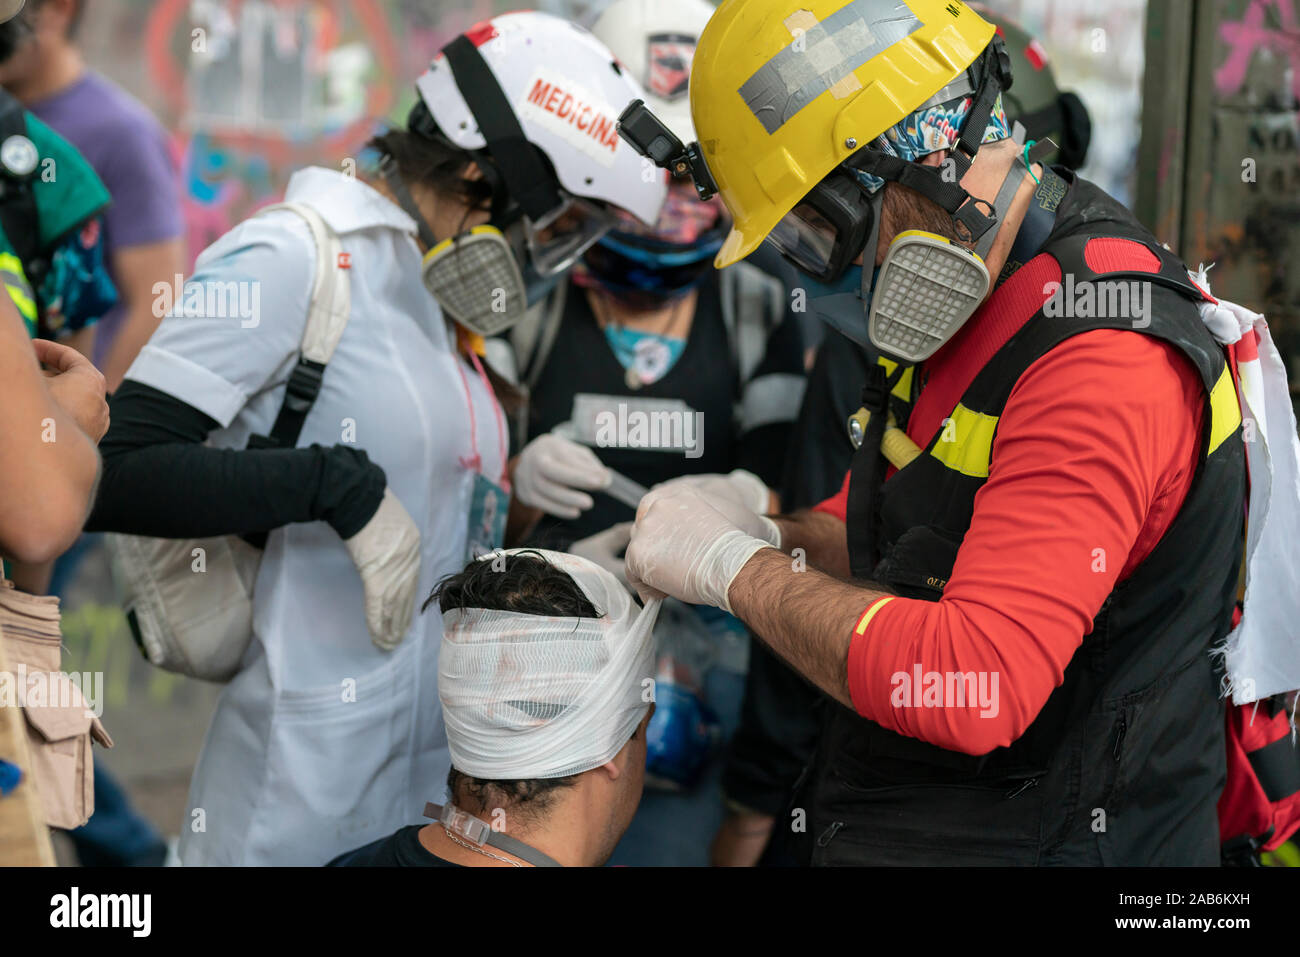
(76, 385)
(683, 545)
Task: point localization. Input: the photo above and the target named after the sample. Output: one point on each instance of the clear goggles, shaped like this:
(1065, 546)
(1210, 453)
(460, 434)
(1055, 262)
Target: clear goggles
(557, 239)
(828, 228)
(807, 239)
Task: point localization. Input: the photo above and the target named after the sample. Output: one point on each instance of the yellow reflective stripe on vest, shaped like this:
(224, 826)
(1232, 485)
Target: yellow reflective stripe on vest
(969, 435)
(966, 442)
(20, 290)
(903, 387)
(1225, 413)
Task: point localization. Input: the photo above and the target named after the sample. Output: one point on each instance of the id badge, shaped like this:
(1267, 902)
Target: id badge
(487, 517)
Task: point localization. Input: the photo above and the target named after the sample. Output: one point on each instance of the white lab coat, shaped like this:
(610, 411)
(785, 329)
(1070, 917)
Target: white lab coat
(323, 742)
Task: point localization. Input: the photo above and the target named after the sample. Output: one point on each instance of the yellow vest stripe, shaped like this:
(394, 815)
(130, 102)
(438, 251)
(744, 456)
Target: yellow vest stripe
(971, 433)
(25, 305)
(20, 290)
(970, 442)
(1225, 413)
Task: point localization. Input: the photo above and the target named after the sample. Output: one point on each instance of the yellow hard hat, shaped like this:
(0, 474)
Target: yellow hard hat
(783, 91)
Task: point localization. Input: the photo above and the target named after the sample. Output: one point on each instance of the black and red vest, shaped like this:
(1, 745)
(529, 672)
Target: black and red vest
(1125, 762)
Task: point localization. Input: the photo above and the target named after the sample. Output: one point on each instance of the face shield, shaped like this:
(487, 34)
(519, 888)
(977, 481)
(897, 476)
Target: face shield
(646, 266)
(556, 240)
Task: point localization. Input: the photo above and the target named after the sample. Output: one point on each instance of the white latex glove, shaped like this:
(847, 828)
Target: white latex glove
(727, 494)
(684, 546)
(387, 555)
(749, 522)
(604, 549)
(552, 471)
(742, 487)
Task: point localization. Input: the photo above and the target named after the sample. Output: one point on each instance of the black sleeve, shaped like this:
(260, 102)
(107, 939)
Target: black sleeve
(820, 450)
(160, 480)
(762, 451)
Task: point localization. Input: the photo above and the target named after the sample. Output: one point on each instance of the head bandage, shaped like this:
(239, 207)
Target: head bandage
(535, 696)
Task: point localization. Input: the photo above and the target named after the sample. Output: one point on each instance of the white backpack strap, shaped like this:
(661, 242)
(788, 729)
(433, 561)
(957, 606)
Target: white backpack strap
(331, 293)
(327, 317)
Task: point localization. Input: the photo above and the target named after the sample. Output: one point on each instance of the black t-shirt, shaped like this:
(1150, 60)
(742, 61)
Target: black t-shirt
(582, 367)
(400, 849)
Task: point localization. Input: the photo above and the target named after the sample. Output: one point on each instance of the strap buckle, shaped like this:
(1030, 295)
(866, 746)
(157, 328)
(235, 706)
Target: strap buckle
(304, 384)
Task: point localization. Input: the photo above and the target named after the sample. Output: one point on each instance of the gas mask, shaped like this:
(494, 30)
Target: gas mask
(477, 277)
(645, 272)
(648, 267)
(925, 290)
(477, 281)
(927, 287)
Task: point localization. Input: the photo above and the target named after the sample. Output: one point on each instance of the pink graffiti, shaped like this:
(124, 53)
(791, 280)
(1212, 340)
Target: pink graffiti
(1250, 34)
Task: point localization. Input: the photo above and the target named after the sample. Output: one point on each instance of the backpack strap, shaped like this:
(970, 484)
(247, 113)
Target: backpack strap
(327, 317)
(18, 213)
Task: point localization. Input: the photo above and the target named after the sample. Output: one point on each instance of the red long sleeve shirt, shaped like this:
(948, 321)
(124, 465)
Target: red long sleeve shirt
(1094, 455)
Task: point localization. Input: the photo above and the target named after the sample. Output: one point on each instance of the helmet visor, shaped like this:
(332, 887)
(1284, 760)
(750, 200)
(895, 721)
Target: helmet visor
(807, 239)
(557, 239)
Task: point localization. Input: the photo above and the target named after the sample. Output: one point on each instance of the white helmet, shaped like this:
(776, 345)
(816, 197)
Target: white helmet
(655, 40)
(560, 86)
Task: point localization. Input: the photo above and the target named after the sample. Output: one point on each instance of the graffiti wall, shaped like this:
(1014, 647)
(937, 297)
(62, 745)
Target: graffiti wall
(253, 89)
(1242, 207)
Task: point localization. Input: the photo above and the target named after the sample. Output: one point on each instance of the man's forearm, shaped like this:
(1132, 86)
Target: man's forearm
(820, 536)
(804, 616)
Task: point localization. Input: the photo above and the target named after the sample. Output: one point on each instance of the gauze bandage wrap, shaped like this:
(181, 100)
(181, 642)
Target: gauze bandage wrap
(531, 696)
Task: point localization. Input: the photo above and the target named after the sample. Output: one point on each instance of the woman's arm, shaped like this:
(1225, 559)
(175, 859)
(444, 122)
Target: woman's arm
(160, 480)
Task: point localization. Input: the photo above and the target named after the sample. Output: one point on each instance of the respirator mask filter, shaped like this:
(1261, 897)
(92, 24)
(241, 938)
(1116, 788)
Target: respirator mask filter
(475, 278)
(925, 290)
